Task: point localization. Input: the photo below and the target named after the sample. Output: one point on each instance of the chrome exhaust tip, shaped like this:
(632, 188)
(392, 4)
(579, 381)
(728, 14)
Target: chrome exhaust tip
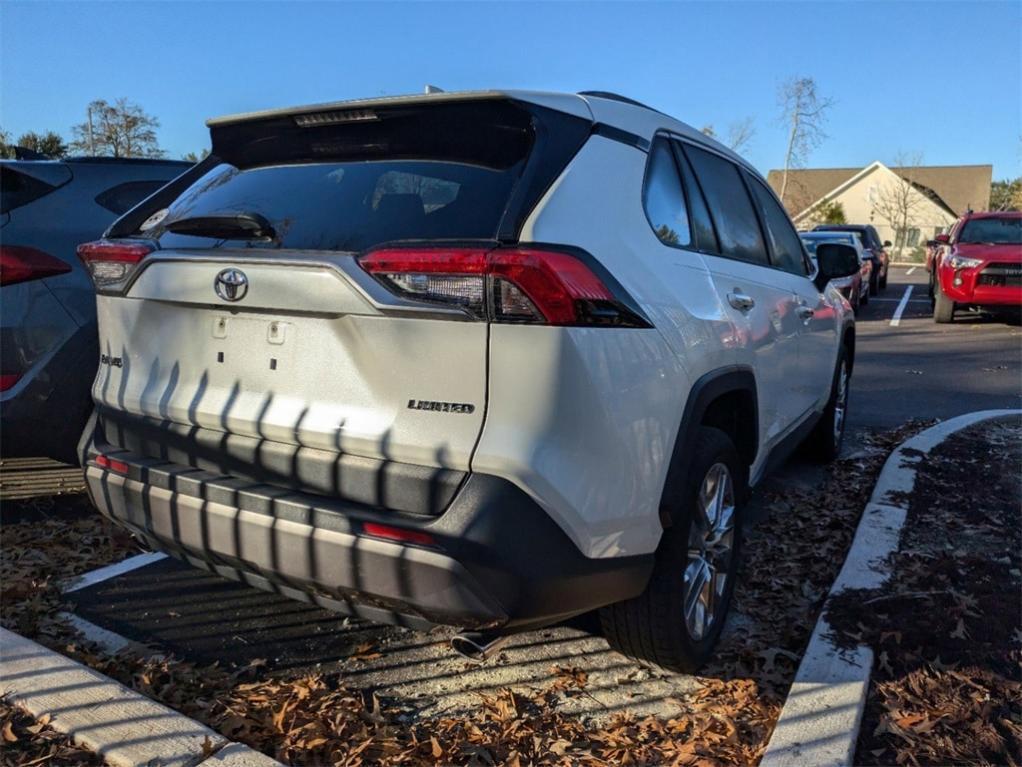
(477, 646)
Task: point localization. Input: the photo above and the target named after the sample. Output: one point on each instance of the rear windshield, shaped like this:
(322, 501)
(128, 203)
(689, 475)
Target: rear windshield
(992, 230)
(812, 241)
(348, 180)
(350, 205)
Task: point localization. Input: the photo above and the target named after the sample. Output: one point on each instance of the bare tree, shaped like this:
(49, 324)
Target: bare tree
(121, 129)
(804, 111)
(739, 134)
(899, 203)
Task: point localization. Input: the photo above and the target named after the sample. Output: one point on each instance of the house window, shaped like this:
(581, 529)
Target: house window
(901, 241)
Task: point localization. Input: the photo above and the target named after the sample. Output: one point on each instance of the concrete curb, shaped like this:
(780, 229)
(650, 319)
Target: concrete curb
(820, 720)
(126, 728)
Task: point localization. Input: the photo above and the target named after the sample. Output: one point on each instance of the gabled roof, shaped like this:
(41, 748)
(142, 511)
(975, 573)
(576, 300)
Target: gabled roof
(958, 187)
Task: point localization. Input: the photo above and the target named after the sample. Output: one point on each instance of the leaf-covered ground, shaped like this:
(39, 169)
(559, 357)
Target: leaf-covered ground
(328, 718)
(947, 628)
(25, 742)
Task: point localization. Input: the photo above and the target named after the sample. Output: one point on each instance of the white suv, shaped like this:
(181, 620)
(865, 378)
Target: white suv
(482, 359)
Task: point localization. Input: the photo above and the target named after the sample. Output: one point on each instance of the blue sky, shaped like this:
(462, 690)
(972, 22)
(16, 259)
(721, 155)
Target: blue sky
(941, 78)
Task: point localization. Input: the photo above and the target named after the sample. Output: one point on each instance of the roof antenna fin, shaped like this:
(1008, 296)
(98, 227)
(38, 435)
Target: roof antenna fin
(432, 89)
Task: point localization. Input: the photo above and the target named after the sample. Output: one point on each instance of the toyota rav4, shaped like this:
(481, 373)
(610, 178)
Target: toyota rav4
(483, 359)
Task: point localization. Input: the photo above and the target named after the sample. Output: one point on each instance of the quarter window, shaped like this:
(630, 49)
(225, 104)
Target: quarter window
(785, 244)
(732, 211)
(663, 198)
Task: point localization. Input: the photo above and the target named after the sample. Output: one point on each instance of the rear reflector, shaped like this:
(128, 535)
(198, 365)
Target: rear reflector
(19, 263)
(7, 380)
(106, 462)
(397, 534)
(111, 262)
(528, 285)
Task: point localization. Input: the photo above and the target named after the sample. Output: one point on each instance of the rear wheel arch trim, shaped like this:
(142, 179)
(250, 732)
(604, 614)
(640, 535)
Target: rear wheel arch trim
(706, 390)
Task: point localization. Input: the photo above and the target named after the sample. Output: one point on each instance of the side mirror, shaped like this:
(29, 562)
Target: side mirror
(942, 239)
(887, 243)
(835, 260)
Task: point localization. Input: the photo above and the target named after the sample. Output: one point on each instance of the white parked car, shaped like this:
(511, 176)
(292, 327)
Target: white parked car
(482, 359)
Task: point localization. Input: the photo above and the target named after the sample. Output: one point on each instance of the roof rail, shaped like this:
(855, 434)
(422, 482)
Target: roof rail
(132, 160)
(617, 97)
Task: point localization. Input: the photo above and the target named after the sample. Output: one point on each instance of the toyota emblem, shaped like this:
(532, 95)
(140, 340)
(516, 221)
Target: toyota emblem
(231, 284)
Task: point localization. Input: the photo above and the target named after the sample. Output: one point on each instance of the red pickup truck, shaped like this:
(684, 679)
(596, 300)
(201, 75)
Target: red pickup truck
(978, 264)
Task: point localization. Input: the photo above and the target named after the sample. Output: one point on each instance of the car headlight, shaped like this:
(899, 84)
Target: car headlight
(961, 262)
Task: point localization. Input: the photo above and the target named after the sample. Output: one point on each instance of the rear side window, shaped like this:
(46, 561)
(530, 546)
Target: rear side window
(785, 244)
(702, 224)
(123, 197)
(663, 198)
(735, 218)
(17, 189)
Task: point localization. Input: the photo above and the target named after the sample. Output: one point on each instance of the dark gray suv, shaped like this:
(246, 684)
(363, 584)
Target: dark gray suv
(48, 346)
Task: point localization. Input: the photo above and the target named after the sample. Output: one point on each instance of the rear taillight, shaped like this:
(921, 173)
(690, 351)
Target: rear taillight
(403, 535)
(112, 464)
(112, 262)
(19, 263)
(7, 380)
(529, 285)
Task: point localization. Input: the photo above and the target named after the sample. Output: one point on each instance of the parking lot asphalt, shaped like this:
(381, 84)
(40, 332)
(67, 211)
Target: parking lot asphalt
(906, 367)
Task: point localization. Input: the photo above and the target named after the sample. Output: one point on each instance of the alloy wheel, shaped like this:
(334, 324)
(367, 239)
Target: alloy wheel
(710, 545)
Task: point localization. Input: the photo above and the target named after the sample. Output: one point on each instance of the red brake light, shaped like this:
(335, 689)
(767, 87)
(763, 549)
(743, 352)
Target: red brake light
(19, 263)
(7, 380)
(106, 462)
(397, 534)
(505, 285)
(111, 262)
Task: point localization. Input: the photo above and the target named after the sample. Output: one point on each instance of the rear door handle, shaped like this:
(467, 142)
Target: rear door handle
(740, 301)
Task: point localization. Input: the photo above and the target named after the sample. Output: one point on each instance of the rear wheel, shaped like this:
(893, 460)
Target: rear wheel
(676, 621)
(943, 307)
(828, 434)
(883, 280)
(863, 296)
(874, 283)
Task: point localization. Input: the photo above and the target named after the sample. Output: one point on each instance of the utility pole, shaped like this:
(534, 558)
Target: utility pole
(92, 144)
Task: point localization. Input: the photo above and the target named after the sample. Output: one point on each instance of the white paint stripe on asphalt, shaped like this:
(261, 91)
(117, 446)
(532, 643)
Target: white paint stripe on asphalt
(898, 300)
(820, 719)
(911, 270)
(112, 571)
(896, 319)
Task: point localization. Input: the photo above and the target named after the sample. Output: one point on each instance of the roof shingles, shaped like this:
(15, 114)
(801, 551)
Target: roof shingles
(960, 186)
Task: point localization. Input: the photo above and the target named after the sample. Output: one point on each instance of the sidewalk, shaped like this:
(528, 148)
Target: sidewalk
(924, 602)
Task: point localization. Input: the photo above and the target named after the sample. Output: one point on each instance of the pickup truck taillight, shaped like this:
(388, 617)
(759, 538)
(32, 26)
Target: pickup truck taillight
(19, 263)
(112, 262)
(516, 285)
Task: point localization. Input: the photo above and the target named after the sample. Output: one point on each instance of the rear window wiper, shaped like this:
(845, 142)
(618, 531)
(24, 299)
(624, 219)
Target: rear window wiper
(225, 226)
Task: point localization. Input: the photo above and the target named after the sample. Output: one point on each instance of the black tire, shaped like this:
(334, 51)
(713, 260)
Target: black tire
(874, 283)
(825, 440)
(883, 281)
(652, 628)
(929, 293)
(943, 307)
(864, 298)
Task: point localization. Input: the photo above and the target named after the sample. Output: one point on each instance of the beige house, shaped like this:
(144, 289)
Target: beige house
(906, 205)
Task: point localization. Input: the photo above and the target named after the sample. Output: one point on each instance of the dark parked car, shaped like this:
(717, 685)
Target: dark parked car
(871, 242)
(48, 346)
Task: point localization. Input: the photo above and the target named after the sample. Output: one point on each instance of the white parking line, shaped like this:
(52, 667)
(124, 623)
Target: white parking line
(911, 270)
(896, 319)
(112, 571)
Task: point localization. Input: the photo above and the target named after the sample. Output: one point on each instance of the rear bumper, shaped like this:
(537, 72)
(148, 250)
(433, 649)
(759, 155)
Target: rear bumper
(496, 560)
